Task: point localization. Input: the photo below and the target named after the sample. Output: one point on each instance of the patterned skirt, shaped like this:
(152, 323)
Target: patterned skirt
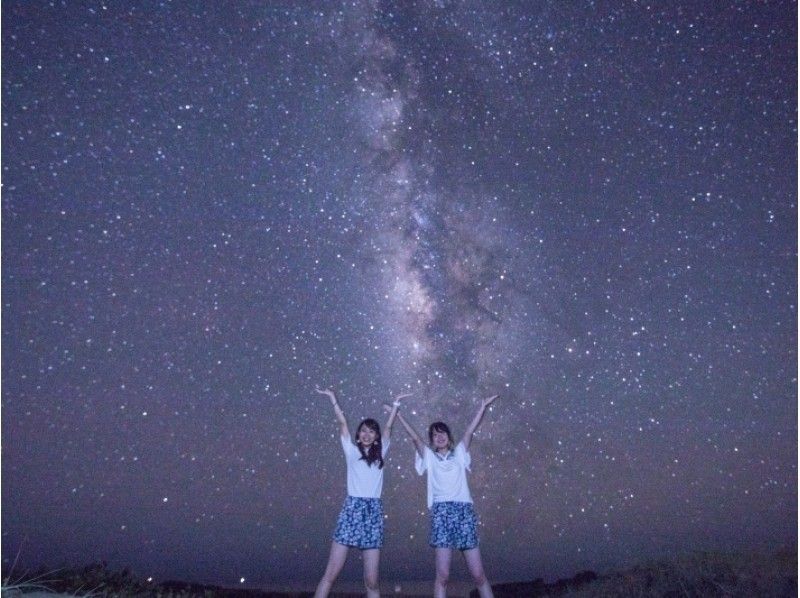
(453, 525)
(360, 523)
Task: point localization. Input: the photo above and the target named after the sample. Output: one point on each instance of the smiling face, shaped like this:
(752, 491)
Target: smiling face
(440, 437)
(368, 434)
(440, 441)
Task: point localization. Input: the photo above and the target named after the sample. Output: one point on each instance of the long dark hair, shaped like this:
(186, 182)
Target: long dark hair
(441, 427)
(375, 450)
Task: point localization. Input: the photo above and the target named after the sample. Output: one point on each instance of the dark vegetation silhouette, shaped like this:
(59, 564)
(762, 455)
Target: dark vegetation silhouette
(698, 575)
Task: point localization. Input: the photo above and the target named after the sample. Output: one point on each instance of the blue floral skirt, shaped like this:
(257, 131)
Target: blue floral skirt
(453, 525)
(360, 523)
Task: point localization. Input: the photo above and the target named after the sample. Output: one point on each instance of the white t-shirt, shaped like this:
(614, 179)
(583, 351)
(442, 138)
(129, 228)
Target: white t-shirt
(447, 474)
(365, 481)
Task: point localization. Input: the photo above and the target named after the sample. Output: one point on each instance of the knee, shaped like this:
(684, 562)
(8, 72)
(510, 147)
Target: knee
(479, 577)
(371, 582)
(442, 578)
(330, 575)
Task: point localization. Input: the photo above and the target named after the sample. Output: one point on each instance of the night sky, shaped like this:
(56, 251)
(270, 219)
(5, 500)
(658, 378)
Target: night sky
(210, 208)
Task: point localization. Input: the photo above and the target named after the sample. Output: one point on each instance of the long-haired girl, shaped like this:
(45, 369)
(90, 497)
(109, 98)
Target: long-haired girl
(360, 522)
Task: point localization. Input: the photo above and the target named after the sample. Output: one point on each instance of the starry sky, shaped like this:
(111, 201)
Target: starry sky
(210, 208)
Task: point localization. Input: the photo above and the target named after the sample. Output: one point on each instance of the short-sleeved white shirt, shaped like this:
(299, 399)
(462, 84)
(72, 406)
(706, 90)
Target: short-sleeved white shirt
(447, 474)
(364, 481)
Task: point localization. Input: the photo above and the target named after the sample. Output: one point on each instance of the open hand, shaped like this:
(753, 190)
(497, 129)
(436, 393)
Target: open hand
(327, 392)
(488, 401)
(402, 396)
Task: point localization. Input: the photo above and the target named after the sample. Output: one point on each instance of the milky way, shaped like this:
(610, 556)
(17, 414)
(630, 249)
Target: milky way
(441, 260)
(209, 210)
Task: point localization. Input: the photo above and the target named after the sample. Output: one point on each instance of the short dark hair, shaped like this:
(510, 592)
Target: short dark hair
(440, 427)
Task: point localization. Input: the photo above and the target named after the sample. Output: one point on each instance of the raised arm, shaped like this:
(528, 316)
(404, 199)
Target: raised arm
(476, 421)
(344, 430)
(387, 429)
(415, 438)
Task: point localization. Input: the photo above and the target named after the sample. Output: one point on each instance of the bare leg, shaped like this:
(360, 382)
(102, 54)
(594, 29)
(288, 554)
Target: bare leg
(371, 560)
(443, 557)
(335, 563)
(475, 566)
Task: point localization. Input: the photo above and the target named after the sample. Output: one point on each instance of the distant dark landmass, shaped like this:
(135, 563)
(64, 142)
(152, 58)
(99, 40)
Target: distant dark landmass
(697, 575)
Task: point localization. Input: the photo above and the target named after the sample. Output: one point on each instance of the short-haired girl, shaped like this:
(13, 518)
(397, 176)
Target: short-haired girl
(453, 519)
(360, 522)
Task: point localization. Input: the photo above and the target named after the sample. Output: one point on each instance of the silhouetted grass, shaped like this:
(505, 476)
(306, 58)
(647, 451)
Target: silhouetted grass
(703, 574)
(700, 575)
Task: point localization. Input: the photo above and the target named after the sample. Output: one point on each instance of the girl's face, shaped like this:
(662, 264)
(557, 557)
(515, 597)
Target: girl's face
(367, 436)
(440, 440)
